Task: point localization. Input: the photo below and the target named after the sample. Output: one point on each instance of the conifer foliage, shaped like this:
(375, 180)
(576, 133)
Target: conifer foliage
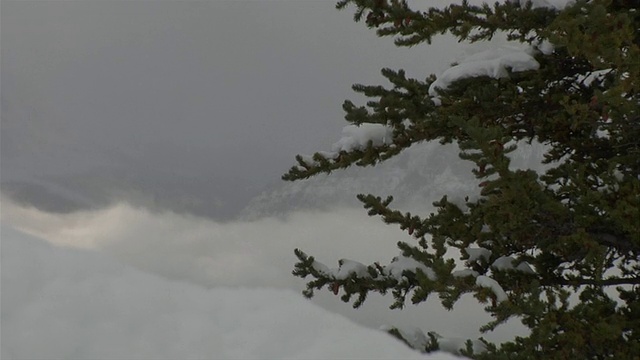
(560, 249)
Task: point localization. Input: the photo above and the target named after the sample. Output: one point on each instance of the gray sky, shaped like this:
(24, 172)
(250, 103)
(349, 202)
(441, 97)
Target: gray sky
(191, 106)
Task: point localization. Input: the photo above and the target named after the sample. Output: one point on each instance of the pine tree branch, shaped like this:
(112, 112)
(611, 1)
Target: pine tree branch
(573, 223)
(621, 243)
(466, 22)
(596, 282)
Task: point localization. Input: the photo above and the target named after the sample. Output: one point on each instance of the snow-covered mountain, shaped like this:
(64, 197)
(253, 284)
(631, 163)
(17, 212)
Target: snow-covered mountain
(415, 178)
(410, 178)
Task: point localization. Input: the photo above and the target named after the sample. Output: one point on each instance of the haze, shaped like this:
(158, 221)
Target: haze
(193, 106)
(141, 129)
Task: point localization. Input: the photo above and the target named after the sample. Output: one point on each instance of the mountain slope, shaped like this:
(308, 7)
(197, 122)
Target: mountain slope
(415, 178)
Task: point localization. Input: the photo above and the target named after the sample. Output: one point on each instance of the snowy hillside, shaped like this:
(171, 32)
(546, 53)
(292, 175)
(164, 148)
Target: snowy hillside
(415, 178)
(70, 304)
(409, 177)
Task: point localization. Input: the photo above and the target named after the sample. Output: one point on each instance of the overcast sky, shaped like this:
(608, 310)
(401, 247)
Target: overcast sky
(192, 106)
(112, 110)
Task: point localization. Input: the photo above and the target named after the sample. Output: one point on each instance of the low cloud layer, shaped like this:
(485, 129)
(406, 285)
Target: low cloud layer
(250, 254)
(71, 304)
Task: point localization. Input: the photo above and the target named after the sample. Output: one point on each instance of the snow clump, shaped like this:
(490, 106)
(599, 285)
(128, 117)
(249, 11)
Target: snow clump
(487, 282)
(493, 63)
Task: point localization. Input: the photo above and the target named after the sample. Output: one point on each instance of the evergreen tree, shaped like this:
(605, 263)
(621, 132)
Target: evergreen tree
(558, 249)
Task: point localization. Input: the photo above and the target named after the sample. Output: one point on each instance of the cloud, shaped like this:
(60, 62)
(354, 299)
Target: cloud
(189, 106)
(71, 304)
(128, 126)
(250, 253)
(256, 253)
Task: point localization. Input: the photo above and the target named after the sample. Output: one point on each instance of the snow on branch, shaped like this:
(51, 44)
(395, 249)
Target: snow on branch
(346, 269)
(492, 63)
(417, 339)
(507, 263)
(400, 264)
(487, 282)
(354, 137)
(476, 253)
(550, 4)
(357, 137)
(465, 273)
(395, 270)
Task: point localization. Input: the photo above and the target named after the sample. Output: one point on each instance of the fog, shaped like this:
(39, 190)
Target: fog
(142, 129)
(193, 106)
(256, 253)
